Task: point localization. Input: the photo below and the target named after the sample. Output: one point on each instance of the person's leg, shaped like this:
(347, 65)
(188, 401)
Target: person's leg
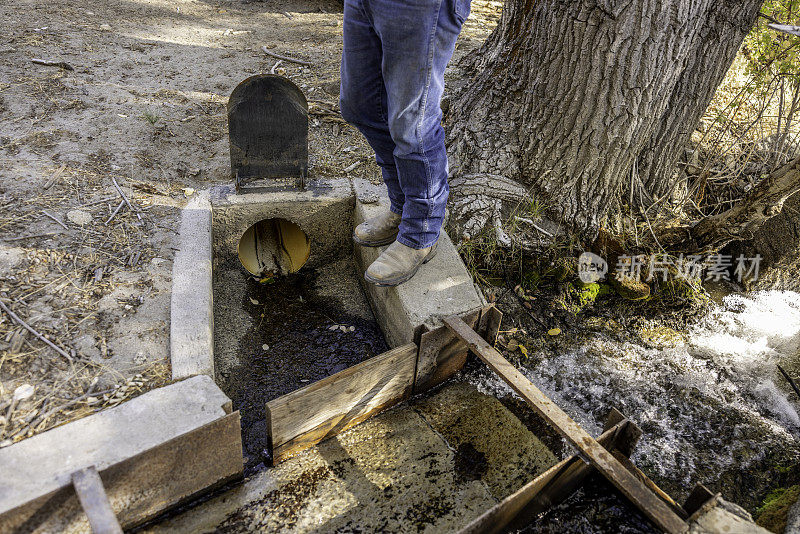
(418, 38)
(363, 99)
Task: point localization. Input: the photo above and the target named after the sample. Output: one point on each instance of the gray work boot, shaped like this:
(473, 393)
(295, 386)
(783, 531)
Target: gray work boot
(377, 231)
(397, 264)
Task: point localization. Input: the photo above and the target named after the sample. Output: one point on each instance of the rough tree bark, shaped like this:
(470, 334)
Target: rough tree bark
(717, 44)
(566, 95)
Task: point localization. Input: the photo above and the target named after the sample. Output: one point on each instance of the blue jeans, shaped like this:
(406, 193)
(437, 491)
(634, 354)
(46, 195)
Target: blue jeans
(395, 53)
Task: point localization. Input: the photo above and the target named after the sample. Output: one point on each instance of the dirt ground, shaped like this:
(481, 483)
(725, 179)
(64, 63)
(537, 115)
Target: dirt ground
(135, 106)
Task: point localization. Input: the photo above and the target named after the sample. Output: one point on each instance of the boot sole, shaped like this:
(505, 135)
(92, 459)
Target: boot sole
(382, 242)
(405, 278)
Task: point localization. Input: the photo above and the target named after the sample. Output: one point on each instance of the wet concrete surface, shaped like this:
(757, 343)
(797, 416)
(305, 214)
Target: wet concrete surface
(288, 333)
(429, 465)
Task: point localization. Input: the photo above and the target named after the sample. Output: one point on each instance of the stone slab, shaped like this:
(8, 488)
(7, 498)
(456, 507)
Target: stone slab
(152, 452)
(192, 307)
(441, 288)
(723, 517)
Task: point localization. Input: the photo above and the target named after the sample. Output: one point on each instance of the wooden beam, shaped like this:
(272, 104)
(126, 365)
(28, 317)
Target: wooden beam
(698, 498)
(441, 354)
(94, 501)
(323, 409)
(541, 493)
(630, 486)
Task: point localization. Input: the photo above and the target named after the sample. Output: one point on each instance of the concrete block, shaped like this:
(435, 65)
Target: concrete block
(324, 211)
(723, 517)
(152, 452)
(192, 309)
(442, 287)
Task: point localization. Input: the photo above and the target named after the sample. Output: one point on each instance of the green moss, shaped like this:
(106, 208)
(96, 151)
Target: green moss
(773, 511)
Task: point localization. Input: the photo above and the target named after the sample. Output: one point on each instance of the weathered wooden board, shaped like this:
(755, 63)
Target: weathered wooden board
(94, 501)
(144, 485)
(549, 488)
(441, 354)
(489, 324)
(634, 489)
(323, 409)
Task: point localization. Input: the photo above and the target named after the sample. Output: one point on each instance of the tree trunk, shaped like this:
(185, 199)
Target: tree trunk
(718, 41)
(567, 94)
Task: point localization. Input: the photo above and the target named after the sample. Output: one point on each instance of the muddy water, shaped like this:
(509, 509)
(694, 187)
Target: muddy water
(302, 328)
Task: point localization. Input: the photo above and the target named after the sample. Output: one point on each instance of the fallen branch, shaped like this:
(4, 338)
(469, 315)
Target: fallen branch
(47, 63)
(20, 238)
(48, 215)
(125, 199)
(352, 166)
(35, 332)
(762, 203)
(122, 203)
(285, 58)
(536, 226)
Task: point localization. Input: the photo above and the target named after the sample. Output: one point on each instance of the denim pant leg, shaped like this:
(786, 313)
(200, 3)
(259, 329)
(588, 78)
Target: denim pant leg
(417, 39)
(363, 98)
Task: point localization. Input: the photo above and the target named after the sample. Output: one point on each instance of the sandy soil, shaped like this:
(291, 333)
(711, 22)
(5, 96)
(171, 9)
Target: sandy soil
(139, 100)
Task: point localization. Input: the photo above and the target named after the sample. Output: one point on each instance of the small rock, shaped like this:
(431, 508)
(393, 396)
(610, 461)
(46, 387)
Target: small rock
(79, 217)
(368, 197)
(25, 391)
(105, 27)
(91, 401)
(265, 347)
(10, 259)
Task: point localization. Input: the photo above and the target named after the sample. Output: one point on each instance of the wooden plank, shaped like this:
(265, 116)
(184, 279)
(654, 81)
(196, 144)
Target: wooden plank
(441, 354)
(697, 499)
(547, 489)
(489, 326)
(630, 486)
(94, 501)
(325, 408)
(630, 466)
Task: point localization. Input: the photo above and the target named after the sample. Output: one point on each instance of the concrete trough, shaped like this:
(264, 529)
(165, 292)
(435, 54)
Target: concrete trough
(212, 329)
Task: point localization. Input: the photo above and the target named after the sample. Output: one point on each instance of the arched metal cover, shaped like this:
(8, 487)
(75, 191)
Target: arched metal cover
(268, 127)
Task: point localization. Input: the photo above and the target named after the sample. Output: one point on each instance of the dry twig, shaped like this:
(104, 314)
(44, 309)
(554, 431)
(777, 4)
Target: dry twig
(35, 332)
(285, 58)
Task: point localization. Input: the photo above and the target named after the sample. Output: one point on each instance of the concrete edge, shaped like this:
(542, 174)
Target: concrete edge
(192, 306)
(441, 288)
